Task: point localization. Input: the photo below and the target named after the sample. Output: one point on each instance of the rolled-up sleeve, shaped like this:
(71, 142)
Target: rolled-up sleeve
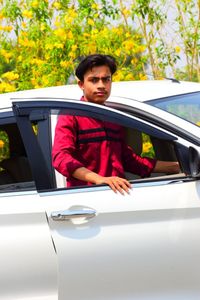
(64, 152)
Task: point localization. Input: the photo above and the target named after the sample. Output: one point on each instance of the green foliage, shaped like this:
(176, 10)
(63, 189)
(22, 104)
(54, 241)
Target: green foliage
(147, 147)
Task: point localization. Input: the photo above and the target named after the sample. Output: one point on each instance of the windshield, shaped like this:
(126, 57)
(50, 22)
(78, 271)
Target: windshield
(185, 106)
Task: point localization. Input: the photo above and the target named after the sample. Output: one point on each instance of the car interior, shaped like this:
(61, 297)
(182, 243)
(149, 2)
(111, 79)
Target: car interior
(15, 172)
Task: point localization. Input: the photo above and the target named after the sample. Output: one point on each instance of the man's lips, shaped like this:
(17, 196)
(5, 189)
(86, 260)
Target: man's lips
(100, 93)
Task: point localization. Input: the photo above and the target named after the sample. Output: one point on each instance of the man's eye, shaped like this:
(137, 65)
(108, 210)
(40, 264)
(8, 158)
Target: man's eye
(106, 79)
(95, 80)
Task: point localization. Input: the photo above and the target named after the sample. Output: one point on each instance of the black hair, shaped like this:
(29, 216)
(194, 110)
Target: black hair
(95, 60)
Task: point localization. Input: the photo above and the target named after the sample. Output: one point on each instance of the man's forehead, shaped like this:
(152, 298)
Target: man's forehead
(99, 70)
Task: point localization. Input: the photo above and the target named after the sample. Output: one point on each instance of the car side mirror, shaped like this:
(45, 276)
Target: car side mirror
(194, 162)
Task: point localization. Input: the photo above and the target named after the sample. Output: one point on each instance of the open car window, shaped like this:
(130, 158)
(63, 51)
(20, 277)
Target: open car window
(152, 140)
(15, 171)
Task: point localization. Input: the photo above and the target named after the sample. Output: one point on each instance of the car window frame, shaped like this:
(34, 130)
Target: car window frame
(23, 111)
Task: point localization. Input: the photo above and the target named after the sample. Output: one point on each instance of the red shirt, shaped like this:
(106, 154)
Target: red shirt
(96, 145)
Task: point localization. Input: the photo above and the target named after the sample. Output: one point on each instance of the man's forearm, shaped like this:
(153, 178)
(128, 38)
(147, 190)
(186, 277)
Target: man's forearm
(116, 183)
(169, 167)
(86, 175)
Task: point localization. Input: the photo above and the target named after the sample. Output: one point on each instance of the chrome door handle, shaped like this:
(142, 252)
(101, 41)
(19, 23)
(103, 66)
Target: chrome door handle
(73, 214)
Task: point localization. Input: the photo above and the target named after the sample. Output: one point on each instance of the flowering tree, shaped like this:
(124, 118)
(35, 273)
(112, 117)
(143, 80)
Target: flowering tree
(42, 41)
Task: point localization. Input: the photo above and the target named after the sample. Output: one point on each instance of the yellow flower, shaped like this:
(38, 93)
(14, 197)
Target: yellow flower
(6, 28)
(71, 55)
(6, 87)
(126, 12)
(142, 77)
(177, 49)
(33, 81)
(72, 13)
(69, 20)
(146, 147)
(60, 32)
(92, 47)
(58, 45)
(37, 61)
(128, 45)
(65, 64)
(49, 46)
(94, 32)
(117, 52)
(134, 61)
(42, 26)
(10, 76)
(35, 4)
(198, 123)
(90, 22)
(45, 80)
(23, 24)
(6, 54)
(95, 6)
(118, 76)
(1, 16)
(57, 22)
(74, 47)
(37, 86)
(57, 5)
(1, 143)
(19, 58)
(129, 77)
(86, 34)
(141, 48)
(70, 35)
(27, 14)
(26, 42)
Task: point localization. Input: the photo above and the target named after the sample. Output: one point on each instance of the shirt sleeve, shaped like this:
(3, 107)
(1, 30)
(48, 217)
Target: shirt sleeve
(64, 151)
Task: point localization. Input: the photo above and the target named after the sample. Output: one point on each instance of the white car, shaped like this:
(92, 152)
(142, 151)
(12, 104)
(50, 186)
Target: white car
(88, 243)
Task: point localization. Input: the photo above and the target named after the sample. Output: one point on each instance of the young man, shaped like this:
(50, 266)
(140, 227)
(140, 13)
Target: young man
(90, 151)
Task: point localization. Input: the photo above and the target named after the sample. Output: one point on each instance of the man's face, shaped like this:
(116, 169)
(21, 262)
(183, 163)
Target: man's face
(97, 84)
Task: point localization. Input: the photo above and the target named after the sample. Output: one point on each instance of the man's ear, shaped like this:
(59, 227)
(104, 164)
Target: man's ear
(81, 84)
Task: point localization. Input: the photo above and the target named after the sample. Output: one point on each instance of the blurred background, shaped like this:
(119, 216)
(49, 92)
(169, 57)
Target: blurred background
(42, 41)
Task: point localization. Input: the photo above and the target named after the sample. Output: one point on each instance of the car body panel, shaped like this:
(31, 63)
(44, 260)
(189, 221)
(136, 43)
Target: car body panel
(28, 259)
(137, 247)
(137, 90)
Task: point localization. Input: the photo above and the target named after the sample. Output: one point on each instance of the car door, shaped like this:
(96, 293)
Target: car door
(143, 245)
(27, 256)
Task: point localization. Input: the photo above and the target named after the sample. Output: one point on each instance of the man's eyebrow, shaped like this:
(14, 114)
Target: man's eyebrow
(108, 76)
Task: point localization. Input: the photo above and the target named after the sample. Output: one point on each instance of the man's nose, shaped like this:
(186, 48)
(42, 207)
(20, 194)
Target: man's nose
(101, 82)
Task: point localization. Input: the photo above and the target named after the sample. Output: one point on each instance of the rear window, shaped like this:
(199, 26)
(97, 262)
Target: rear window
(185, 106)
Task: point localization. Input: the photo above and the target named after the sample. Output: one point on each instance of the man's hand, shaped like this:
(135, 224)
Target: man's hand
(116, 183)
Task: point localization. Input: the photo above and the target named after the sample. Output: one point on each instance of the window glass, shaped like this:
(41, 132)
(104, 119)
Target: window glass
(184, 106)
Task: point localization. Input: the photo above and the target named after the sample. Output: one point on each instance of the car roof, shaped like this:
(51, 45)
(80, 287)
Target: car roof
(137, 90)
